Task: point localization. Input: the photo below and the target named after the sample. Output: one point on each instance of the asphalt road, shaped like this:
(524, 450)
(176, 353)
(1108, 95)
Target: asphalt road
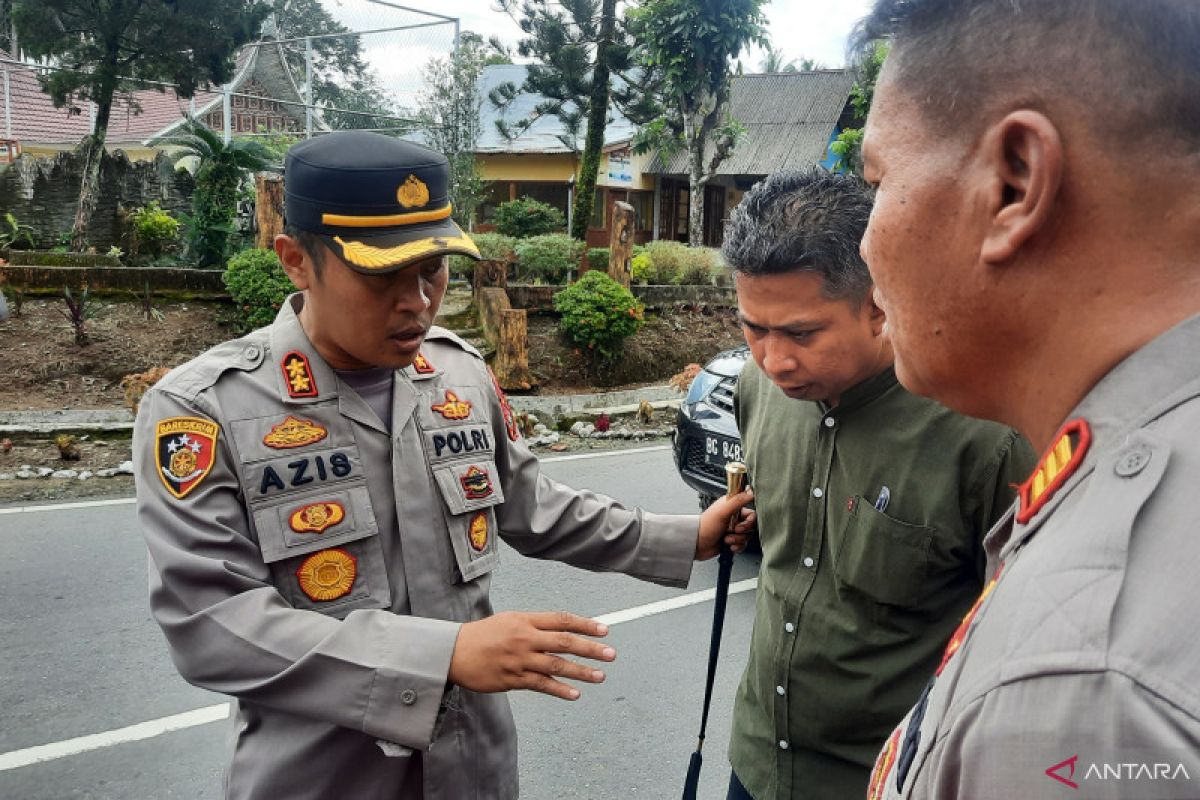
(80, 657)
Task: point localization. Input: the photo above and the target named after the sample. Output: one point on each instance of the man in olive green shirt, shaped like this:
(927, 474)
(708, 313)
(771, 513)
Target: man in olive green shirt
(872, 502)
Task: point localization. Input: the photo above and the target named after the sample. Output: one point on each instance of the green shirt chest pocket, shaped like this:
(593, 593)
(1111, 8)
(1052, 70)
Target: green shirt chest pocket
(883, 558)
(323, 550)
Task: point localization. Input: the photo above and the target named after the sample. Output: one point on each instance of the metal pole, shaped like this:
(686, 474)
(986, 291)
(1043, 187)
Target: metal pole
(308, 86)
(414, 10)
(227, 113)
(457, 34)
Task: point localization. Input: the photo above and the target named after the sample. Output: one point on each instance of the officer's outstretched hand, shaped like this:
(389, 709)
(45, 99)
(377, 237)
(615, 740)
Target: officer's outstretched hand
(714, 525)
(520, 650)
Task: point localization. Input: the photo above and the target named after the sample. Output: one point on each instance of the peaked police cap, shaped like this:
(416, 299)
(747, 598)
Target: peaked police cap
(378, 202)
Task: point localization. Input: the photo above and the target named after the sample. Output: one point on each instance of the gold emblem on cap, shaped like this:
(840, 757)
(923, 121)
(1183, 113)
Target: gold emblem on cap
(413, 193)
(327, 575)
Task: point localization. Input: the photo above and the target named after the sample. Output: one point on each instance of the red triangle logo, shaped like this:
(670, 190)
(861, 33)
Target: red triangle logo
(1053, 772)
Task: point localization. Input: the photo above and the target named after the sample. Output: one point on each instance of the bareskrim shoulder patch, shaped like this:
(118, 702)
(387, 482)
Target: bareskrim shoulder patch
(185, 449)
(297, 374)
(510, 419)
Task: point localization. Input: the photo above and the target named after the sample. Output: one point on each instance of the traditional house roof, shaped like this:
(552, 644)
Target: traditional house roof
(545, 135)
(789, 117)
(146, 116)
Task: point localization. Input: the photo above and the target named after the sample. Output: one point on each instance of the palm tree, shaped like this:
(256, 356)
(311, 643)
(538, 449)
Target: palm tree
(219, 171)
(776, 61)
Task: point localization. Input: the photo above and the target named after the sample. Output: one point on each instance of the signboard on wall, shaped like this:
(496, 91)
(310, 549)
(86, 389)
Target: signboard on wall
(619, 168)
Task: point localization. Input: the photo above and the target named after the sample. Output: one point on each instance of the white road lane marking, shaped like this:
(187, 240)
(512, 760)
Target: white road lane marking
(95, 741)
(122, 501)
(203, 716)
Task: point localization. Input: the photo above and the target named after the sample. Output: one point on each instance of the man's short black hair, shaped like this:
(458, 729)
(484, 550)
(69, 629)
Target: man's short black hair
(803, 220)
(311, 243)
(1133, 65)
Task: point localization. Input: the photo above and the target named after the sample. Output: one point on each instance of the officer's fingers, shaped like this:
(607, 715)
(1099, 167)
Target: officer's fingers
(540, 682)
(559, 667)
(747, 522)
(566, 621)
(569, 644)
(737, 541)
(738, 501)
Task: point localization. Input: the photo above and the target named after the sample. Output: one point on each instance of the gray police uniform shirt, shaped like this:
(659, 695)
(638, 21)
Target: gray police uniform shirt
(317, 567)
(1078, 673)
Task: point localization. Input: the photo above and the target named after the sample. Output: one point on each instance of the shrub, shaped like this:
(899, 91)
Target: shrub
(492, 246)
(154, 230)
(598, 258)
(666, 261)
(528, 217)
(598, 314)
(548, 258)
(640, 269)
(256, 281)
(699, 265)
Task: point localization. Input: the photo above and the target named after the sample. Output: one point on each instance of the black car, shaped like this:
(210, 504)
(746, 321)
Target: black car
(706, 434)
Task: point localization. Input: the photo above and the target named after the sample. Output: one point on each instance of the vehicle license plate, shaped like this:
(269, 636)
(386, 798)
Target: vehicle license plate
(718, 450)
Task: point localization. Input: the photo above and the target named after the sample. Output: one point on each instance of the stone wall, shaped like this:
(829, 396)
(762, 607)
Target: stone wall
(163, 281)
(44, 193)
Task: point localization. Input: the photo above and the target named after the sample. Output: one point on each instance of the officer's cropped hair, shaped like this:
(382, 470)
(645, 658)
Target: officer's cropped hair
(811, 220)
(311, 244)
(1132, 66)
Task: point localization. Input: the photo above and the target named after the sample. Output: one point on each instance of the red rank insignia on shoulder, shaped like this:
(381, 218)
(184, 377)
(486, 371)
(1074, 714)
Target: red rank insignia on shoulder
(422, 366)
(453, 407)
(510, 419)
(297, 374)
(184, 451)
(1059, 462)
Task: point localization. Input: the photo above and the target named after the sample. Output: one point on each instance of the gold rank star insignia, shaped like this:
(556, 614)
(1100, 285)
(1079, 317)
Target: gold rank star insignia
(327, 575)
(422, 366)
(294, 432)
(298, 376)
(453, 407)
(413, 193)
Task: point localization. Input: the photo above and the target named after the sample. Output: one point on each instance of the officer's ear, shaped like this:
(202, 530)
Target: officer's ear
(296, 261)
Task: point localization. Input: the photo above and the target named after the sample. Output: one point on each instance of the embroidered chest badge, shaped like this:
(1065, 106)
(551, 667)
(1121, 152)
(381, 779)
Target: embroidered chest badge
(298, 375)
(294, 432)
(476, 483)
(883, 767)
(453, 407)
(1058, 464)
(184, 451)
(478, 532)
(960, 633)
(422, 366)
(317, 517)
(327, 575)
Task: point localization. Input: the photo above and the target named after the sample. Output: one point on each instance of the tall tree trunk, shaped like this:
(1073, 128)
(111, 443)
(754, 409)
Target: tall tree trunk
(93, 154)
(585, 189)
(697, 180)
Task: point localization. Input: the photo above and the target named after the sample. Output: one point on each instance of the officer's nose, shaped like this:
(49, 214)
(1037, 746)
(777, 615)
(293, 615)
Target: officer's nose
(410, 294)
(778, 359)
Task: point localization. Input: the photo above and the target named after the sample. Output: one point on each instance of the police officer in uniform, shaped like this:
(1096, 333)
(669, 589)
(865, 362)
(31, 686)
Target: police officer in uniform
(1033, 273)
(322, 501)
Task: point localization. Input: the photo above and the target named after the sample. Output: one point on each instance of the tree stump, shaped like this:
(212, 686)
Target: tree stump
(620, 248)
(268, 208)
(511, 364)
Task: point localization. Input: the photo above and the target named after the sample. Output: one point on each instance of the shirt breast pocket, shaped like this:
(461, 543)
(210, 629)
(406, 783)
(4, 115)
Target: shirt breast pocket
(470, 491)
(883, 558)
(324, 551)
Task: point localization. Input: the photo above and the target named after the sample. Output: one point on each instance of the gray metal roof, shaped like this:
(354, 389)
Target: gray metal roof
(789, 117)
(542, 136)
